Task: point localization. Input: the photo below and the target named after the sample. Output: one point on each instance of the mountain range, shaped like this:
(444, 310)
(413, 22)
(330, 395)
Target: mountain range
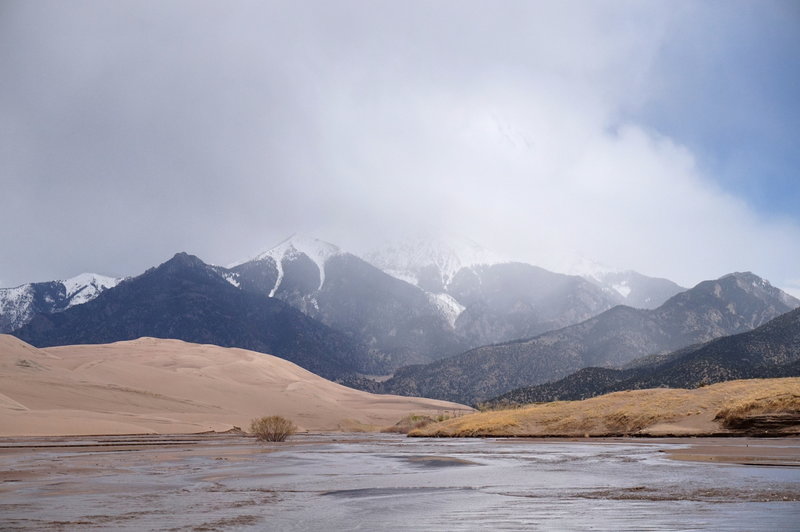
(341, 290)
(634, 289)
(429, 299)
(423, 300)
(771, 350)
(492, 299)
(732, 304)
(18, 305)
(450, 319)
(454, 294)
(186, 299)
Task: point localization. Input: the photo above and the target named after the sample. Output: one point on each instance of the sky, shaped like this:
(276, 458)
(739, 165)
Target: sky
(656, 136)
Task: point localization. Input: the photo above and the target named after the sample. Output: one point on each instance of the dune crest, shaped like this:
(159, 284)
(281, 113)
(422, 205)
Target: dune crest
(152, 385)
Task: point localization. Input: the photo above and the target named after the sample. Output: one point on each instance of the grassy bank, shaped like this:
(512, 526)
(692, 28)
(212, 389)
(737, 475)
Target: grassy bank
(755, 407)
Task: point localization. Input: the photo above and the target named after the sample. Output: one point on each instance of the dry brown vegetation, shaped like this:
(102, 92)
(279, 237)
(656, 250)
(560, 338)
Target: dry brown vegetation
(418, 421)
(660, 411)
(272, 428)
(742, 413)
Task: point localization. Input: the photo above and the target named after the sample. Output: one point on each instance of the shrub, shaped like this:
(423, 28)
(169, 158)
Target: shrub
(272, 428)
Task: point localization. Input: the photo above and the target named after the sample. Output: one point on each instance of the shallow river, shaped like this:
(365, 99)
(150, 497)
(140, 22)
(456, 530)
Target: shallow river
(380, 482)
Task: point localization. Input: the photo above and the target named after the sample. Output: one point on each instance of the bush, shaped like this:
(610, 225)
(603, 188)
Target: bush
(272, 428)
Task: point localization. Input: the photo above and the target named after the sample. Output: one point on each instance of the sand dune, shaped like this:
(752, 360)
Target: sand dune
(168, 386)
(757, 407)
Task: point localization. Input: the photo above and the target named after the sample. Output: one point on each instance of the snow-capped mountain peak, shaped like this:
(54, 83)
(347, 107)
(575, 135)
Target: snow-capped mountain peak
(315, 249)
(19, 304)
(408, 258)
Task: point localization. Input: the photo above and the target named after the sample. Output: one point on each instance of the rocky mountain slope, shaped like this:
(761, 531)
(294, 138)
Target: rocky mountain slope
(734, 303)
(486, 298)
(634, 289)
(186, 299)
(513, 300)
(771, 350)
(390, 316)
(430, 298)
(431, 262)
(18, 305)
(427, 299)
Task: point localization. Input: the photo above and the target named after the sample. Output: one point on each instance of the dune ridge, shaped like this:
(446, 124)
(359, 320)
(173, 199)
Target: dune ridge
(152, 385)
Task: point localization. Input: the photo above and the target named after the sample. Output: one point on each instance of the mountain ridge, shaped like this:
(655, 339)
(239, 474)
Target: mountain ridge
(19, 304)
(347, 293)
(769, 351)
(186, 299)
(615, 337)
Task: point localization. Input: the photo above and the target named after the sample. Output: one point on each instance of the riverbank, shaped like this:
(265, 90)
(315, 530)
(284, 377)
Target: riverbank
(756, 407)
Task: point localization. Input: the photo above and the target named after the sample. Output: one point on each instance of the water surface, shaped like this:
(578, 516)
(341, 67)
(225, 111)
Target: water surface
(387, 482)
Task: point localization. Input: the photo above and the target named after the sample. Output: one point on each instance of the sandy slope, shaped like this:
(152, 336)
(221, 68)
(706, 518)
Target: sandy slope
(655, 412)
(167, 386)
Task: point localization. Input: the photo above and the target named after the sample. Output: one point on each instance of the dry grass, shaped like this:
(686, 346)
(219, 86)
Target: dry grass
(418, 421)
(354, 425)
(736, 413)
(480, 424)
(655, 411)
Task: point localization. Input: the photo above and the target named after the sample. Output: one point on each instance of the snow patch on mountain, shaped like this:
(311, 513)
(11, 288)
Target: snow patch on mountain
(574, 264)
(232, 278)
(15, 303)
(406, 259)
(788, 299)
(87, 286)
(19, 304)
(317, 250)
(622, 288)
(279, 265)
(448, 306)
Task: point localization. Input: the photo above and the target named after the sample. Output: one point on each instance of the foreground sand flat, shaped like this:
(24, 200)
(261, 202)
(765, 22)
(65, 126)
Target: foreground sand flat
(168, 387)
(654, 412)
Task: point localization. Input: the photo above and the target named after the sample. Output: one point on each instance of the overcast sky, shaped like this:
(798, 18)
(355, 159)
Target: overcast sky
(657, 136)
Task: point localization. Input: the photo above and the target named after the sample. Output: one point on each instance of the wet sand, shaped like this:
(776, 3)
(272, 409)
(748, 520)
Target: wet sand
(784, 452)
(745, 451)
(378, 481)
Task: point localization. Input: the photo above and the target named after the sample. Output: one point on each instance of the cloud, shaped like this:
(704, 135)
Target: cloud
(538, 177)
(131, 131)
